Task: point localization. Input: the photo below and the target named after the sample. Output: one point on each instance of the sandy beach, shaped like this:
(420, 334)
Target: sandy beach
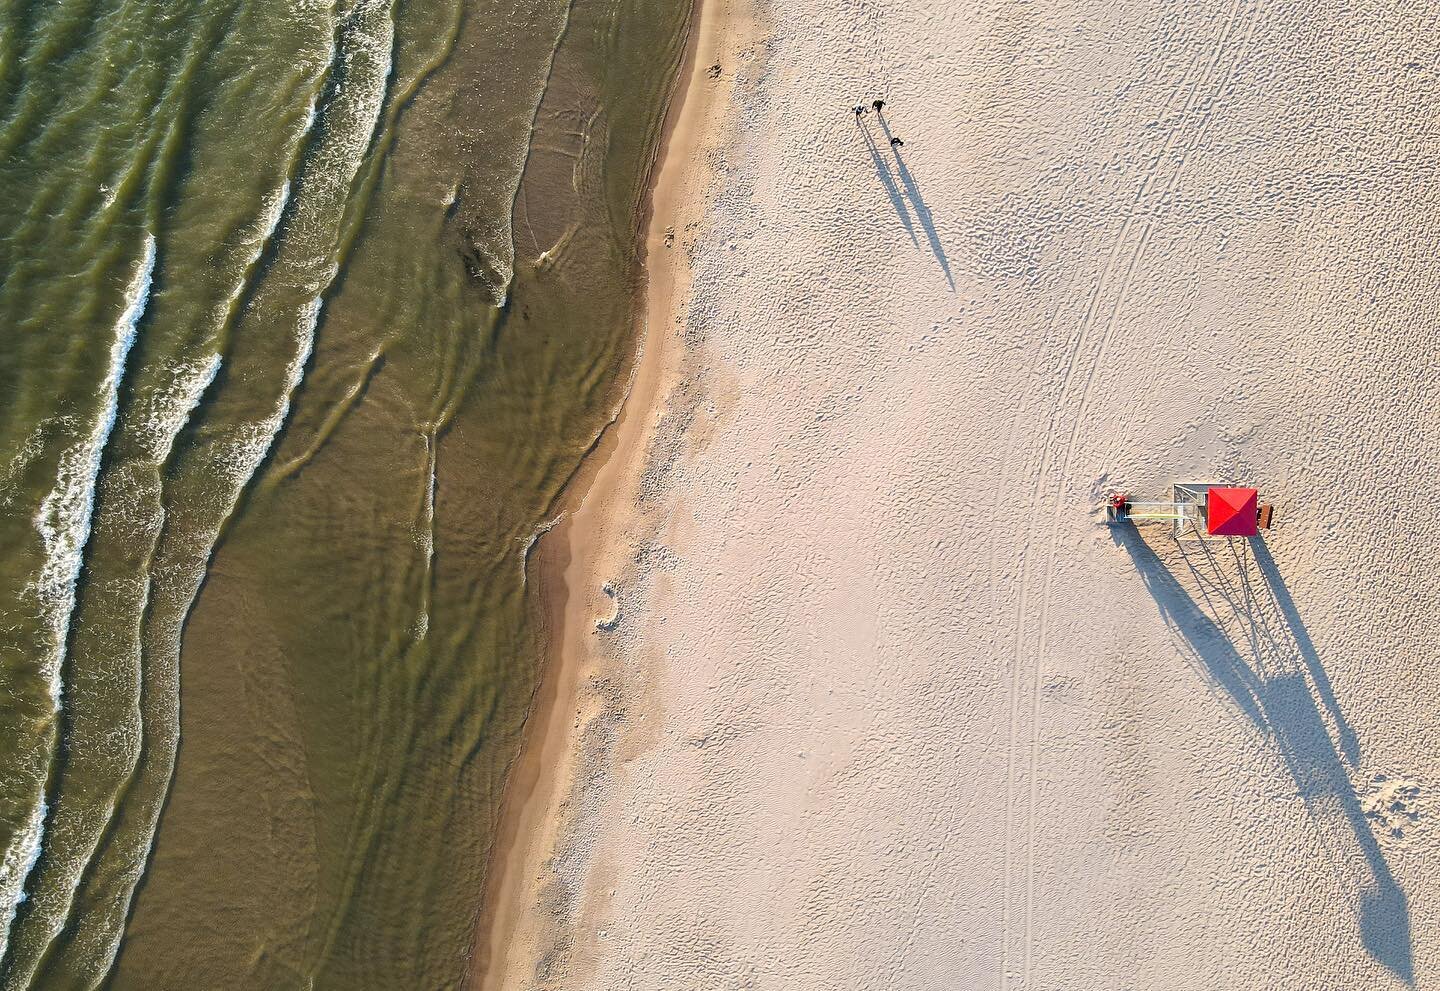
(593, 535)
(850, 687)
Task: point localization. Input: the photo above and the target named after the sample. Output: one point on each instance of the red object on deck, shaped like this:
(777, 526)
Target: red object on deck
(1231, 512)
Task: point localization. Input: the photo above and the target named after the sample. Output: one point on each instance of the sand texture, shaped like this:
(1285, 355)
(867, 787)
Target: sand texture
(873, 701)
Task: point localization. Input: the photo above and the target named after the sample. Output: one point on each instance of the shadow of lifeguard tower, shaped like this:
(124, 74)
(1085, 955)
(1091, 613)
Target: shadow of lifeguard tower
(1226, 602)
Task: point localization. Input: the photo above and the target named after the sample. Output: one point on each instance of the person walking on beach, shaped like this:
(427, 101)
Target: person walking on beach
(879, 105)
(896, 143)
(859, 110)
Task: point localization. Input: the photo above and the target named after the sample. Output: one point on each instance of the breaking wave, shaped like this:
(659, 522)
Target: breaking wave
(64, 518)
(63, 524)
(19, 860)
(253, 442)
(171, 405)
(305, 222)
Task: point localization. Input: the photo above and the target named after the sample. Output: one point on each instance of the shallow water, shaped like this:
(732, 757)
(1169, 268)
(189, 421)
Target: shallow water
(282, 409)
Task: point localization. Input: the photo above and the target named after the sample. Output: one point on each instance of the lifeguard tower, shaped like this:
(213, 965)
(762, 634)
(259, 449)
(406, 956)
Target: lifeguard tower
(1198, 510)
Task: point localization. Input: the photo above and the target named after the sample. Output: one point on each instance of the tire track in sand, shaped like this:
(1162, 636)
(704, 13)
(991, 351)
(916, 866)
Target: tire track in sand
(1076, 392)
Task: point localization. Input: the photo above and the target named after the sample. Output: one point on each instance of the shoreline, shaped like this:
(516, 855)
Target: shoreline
(578, 553)
(886, 706)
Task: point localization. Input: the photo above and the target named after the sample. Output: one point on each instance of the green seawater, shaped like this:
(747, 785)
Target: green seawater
(308, 311)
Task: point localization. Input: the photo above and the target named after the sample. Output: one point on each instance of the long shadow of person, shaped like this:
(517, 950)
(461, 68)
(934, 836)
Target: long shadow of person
(1272, 689)
(887, 180)
(922, 212)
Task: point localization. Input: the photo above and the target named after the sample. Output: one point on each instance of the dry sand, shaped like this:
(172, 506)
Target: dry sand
(876, 702)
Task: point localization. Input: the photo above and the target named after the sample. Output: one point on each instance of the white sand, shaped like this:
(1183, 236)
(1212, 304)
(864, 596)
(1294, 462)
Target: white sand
(885, 707)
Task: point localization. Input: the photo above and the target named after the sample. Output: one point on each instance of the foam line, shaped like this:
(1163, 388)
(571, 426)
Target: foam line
(63, 524)
(63, 521)
(19, 860)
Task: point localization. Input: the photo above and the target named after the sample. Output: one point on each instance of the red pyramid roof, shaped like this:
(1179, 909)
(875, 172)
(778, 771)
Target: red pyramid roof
(1231, 512)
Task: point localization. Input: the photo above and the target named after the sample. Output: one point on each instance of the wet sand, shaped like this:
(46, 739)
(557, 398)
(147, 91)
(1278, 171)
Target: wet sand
(586, 540)
(877, 701)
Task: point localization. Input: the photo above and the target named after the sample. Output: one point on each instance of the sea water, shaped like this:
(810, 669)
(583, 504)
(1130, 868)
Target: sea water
(308, 309)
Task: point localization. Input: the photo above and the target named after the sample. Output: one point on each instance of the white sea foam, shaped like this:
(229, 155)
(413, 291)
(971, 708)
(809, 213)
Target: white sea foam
(159, 418)
(171, 405)
(182, 578)
(32, 448)
(63, 523)
(252, 442)
(275, 209)
(16, 865)
(306, 258)
(351, 119)
(312, 112)
(425, 538)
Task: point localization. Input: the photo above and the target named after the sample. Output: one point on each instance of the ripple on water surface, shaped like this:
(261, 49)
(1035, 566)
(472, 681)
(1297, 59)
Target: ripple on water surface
(268, 394)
